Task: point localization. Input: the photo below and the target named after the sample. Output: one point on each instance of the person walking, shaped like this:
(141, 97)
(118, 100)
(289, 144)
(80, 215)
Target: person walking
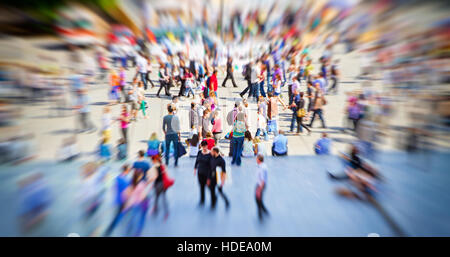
(218, 161)
(261, 185)
(158, 185)
(248, 78)
(255, 80)
(202, 169)
(171, 128)
(142, 68)
(335, 74)
(229, 75)
(164, 80)
(319, 101)
(299, 113)
(239, 128)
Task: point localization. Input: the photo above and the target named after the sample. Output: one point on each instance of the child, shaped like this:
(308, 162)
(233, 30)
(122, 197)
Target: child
(153, 145)
(210, 140)
(259, 147)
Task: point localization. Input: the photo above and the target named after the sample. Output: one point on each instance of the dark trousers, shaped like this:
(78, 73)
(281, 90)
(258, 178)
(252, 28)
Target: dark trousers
(116, 219)
(164, 85)
(259, 202)
(202, 178)
(293, 119)
(334, 85)
(124, 134)
(300, 125)
(171, 138)
(275, 153)
(319, 113)
(248, 88)
(290, 94)
(255, 91)
(147, 77)
(238, 143)
(229, 76)
(183, 88)
(160, 191)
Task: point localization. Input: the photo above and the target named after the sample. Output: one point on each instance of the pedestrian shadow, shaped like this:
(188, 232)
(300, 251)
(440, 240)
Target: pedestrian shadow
(100, 103)
(63, 131)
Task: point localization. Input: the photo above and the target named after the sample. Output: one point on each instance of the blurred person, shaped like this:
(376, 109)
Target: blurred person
(323, 145)
(194, 145)
(218, 161)
(68, 151)
(261, 124)
(266, 62)
(259, 147)
(261, 78)
(102, 64)
(229, 74)
(248, 76)
(247, 148)
(240, 126)
(35, 198)
(194, 123)
(209, 140)
(202, 169)
(217, 126)
(205, 124)
(124, 119)
(189, 84)
(141, 165)
(272, 113)
(299, 112)
(122, 183)
(115, 86)
(105, 150)
(122, 150)
(280, 144)
(319, 102)
(159, 184)
(254, 79)
(171, 128)
(106, 123)
(149, 71)
(261, 185)
(153, 145)
(163, 80)
(141, 100)
(334, 76)
(122, 79)
(84, 112)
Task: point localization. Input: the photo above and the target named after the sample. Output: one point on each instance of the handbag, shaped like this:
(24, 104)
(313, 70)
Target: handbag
(181, 149)
(301, 113)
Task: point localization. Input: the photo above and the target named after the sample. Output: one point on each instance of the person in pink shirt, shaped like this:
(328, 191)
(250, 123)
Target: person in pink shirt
(217, 126)
(124, 121)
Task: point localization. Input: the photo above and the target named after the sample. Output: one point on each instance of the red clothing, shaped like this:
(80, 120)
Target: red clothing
(211, 143)
(213, 82)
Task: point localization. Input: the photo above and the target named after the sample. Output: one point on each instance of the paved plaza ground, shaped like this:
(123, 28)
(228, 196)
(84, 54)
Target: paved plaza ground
(300, 196)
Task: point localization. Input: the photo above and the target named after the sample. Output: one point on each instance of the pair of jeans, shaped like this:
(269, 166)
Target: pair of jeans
(293, 119)
(334, 85)
(261, 88)
(275, 153)
(319, 113)
(263, 131)
(189, 91)
(164, 85)
(144, 79)
(272, 127)
(171, 138)
(255, 91)
(238, 143)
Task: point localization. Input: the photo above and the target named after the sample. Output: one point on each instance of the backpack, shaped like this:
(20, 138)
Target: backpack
(230, 115)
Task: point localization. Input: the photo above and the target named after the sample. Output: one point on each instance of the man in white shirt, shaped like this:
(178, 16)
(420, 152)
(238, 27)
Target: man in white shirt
(261, 177)
(142, 68)
(255, 80)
